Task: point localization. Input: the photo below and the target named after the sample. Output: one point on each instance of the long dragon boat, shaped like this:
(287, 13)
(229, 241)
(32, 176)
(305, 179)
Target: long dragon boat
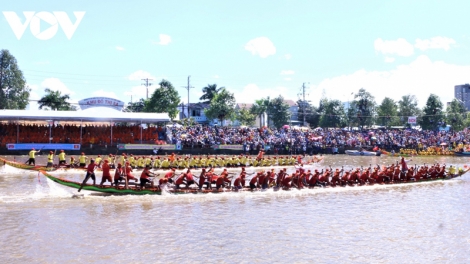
(133, 188)
(67, 169)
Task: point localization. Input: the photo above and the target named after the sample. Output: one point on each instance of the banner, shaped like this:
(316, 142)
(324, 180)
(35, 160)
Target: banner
(39, 146)
(412, 120)
(101, 101)
(233, 147)
(145, 146)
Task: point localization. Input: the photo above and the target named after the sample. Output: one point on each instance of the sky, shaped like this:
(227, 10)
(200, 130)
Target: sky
(255, 49)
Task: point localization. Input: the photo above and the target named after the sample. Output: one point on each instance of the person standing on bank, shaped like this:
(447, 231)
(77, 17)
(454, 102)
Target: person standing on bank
(90, 173)
(32, 158)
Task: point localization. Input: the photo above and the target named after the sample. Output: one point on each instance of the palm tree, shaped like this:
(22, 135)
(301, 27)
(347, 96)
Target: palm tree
(209, 92)
(260, 108)
(55, 101)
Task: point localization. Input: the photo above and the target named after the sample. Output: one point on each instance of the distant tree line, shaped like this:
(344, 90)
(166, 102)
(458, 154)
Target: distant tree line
(363, 111)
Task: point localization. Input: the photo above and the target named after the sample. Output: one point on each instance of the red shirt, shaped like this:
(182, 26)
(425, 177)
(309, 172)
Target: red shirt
(145, 174)
(91, 167)
(169, 175)
(105, 169)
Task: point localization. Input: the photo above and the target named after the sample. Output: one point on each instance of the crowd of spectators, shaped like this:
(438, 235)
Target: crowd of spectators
(297, 140)
(283, 140)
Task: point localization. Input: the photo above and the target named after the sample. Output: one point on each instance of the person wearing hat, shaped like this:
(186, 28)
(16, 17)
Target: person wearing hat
(98, 161)
(61, 155)
(90, 173)
(118, 175)
(106, 174)
(82, 160)
(32, 158)
(50, 159)
(128, 171)
(145, 177)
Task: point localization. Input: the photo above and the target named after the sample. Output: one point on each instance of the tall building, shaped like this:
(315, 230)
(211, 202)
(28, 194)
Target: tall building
(462, 93)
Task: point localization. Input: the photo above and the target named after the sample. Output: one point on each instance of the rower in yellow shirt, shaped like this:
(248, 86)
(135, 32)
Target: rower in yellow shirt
(82, 160)
(61, 155)
(32, 158)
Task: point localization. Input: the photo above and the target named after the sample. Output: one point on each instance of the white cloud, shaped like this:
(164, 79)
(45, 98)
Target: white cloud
(55, 84)
(389, 59)
(119, 48)
(102, 93)
(163, 40)
(287, 79)
(288, 56)
(399, 47)
(216, 76)
(261, 46)
(287, 72)
(139, 75)
(434, 43)
(420, 78)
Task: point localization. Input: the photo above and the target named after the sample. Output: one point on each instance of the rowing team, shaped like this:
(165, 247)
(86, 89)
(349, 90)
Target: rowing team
(301, 178)
(201, 162)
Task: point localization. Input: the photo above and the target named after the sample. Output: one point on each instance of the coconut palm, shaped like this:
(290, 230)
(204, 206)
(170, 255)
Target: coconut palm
(55, 101)
(209, 92)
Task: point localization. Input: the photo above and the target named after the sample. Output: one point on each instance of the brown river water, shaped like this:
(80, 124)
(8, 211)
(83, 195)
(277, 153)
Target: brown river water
(426, 222)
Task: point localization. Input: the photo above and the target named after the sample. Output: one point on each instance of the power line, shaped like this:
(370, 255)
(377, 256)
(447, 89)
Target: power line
(187, 87)
(147, 84)
(304, 103)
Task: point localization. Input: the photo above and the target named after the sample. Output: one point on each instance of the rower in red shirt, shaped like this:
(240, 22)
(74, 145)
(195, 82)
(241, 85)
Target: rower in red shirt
(203, 179)
(239, 181)
(118, 175)
(189, 178)
(168, 176)
(180, 180)
(128, 170)
(90, 173)
(254, 181)
(145, 177)
(106, 174)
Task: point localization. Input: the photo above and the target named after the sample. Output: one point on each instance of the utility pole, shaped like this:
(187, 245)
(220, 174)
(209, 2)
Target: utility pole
(304, 103)
(187, 87)
(147, 84)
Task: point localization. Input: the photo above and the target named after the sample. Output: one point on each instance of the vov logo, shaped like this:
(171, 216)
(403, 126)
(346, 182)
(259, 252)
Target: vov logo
(33, 19)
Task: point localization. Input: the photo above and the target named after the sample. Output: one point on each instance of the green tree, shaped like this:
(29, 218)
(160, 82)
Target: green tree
(259, 108)
(311, 115)
(363, 107)
(222, 106)
(456, 115)
(209, 92)
(165, 99)
(432, 113)
(278, 111)
(54, 100)
(138, 106)
(245, 117)
(333, 114)
(13, 92)
(387, 112)
(408, 106)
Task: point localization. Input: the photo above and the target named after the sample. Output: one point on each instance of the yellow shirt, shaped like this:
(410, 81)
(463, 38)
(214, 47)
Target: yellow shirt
(50, 158)
(61, 156)
(32, 153)
(82, 159)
